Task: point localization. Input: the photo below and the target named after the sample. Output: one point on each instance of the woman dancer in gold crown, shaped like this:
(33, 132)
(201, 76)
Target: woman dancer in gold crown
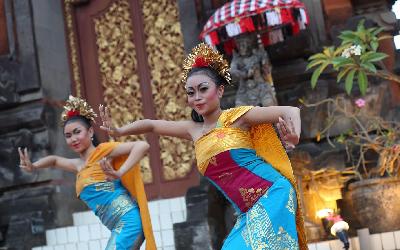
(239, 152)
(120, 205)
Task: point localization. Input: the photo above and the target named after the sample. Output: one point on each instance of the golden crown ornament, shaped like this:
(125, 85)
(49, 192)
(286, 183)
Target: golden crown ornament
(76, 106)
(203, 56)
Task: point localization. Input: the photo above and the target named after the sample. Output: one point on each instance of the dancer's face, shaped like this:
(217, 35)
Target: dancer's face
(77, 136)
(203, 94)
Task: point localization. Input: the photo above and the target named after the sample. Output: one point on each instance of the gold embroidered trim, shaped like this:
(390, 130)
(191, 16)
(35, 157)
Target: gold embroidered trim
(251, 195)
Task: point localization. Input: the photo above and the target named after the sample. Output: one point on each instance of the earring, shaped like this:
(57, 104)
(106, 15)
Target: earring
(91, 138)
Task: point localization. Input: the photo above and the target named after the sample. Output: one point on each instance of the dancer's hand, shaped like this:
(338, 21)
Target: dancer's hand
(111, 173)
(24, 160)
(107, 122)
(287, 134)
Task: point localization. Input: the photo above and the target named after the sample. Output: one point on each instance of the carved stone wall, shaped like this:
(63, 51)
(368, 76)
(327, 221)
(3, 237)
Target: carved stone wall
(34, 80)
(19, 85)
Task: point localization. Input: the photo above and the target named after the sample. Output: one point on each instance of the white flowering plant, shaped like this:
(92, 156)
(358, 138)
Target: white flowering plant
(356, 58)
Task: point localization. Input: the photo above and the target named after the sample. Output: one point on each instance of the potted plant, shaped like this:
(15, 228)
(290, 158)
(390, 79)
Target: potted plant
(372, 143)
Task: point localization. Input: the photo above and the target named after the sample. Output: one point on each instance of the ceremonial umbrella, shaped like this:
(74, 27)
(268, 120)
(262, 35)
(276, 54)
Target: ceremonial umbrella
(242, 16)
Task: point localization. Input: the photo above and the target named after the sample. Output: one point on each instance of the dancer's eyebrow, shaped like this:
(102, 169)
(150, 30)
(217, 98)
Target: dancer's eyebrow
(199, 85)
(203, 83)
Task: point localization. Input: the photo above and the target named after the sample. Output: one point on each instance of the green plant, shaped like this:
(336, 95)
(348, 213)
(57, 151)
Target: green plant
(356, 57)
(368, 134)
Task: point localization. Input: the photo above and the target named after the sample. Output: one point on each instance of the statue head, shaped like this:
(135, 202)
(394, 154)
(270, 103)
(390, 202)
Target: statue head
(245, 44)
(251, 84)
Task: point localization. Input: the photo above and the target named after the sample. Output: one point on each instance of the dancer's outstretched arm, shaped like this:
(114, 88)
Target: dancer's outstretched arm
(291, 124)
(135, 151)
(46, 162)
(179, 129)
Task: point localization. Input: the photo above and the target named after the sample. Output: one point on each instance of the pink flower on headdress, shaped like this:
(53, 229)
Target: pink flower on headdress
(360, 102)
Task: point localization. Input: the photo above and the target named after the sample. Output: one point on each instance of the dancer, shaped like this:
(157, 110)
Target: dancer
(121, 205)
(239, 152)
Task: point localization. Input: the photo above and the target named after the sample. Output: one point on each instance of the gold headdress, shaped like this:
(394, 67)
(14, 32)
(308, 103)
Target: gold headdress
(205, 56)
(77, 106)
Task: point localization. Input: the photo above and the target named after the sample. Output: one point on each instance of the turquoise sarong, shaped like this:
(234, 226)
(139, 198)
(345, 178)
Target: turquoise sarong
(111, 202)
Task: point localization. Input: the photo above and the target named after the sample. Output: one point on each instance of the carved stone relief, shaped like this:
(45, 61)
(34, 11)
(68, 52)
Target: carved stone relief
(8, 94)
(10, 173)
(25, 204)
(9, 170)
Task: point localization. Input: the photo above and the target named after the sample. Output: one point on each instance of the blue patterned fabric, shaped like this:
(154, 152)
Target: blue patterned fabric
(111, 202)
(269, 224)
(264, 199)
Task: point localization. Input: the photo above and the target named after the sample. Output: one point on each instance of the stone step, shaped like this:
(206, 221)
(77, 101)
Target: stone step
(74, 234)
(92, 245)
(164, 241)
(382, 241)
(85, 218)
(172, 206)
(88, 233)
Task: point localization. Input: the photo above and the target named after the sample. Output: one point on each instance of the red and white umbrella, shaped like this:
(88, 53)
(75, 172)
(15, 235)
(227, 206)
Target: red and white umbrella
(235, 16)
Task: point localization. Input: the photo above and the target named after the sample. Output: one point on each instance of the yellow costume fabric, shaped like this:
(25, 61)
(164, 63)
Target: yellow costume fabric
(263, 139)
(132, 181)
(206, 146)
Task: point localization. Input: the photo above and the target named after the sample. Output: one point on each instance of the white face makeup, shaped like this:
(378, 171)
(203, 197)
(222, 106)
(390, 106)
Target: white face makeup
(77, 136)
(202, 93)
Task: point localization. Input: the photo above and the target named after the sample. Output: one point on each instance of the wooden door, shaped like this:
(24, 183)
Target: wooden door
(127, 54)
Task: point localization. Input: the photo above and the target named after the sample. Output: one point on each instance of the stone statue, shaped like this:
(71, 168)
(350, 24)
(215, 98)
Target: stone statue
(251, 67)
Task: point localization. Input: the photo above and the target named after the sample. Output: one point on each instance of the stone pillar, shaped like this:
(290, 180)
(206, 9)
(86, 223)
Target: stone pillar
(337, 11)
(364, 238)
(387, 46)
(317, 21)
(34, 81)
(189, 24)
(209, 219)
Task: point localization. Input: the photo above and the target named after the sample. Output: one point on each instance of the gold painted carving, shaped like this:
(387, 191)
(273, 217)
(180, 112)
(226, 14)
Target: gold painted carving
(118, 67)
(71, 37)
(164, 46)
